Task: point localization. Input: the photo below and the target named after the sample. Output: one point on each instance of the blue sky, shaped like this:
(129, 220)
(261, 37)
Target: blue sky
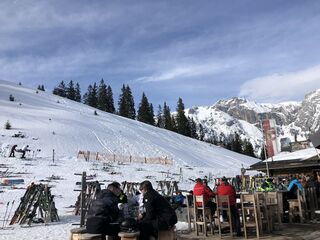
(201, 51)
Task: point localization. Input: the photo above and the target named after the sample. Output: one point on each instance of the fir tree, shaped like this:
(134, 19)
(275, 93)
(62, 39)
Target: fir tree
(167, 121)
(86, 95)
(160, 122)
(77, 96)
(201, 132)
(7, 125)
(193, 128)
(248, 148)
(132, 111)
(263, 153)
(144, 111)
(183, 126)
(236, 144)
(126, 103)
(70, 91)
(151, 115)
(60, 90)
(90, 97)
(102, 96)
(110, 102)
(173, 123)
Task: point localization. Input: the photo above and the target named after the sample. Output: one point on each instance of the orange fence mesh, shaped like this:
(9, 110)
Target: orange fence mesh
(105, 157)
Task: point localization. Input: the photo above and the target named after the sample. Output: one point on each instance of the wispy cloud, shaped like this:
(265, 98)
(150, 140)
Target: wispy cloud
(279, 87)
(209, 67)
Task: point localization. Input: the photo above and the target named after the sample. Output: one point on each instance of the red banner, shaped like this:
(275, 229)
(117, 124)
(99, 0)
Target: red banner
(270, 136)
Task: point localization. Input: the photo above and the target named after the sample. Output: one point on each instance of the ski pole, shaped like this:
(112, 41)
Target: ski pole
(12, 203)
(5, 214)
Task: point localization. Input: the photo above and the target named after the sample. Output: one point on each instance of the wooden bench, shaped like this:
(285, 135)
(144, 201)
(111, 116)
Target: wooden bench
(167, 234)
(81, 234)
(129, 235)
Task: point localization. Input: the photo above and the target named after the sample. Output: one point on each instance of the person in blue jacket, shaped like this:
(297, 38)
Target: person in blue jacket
(294, 186)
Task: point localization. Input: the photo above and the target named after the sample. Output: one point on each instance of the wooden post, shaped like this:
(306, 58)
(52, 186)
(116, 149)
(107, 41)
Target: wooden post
(53, 156)
(83, 198)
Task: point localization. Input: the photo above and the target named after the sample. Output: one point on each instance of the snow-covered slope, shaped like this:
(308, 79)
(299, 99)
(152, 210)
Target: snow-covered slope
(51, 122)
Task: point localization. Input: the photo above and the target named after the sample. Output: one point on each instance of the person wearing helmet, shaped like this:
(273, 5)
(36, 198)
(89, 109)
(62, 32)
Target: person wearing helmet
(159, 215)
(104, 211)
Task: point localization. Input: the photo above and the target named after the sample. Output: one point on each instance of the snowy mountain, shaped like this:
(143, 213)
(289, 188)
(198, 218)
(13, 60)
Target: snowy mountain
(293, 119)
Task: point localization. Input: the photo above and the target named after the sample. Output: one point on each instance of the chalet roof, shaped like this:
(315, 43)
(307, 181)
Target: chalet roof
(302, 158)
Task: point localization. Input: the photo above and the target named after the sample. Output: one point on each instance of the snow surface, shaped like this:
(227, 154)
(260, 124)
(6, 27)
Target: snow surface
(300, 154)
(51, 122)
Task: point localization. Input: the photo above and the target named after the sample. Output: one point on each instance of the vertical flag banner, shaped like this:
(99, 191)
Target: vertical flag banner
(270, 136)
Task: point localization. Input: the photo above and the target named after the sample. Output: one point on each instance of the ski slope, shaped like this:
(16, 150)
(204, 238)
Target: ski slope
(50, 123)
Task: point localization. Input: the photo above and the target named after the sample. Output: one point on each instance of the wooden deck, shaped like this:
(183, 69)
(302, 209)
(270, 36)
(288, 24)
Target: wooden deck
(308, 231)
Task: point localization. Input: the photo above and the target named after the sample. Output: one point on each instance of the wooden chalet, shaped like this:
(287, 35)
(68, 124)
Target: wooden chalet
(304, 162)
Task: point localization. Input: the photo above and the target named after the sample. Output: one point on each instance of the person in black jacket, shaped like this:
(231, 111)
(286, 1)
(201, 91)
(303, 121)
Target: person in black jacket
(159, 215)
(104, 211)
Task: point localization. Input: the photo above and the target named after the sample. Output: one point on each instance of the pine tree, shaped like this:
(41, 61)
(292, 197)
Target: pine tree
(248, 148)
(60, 90)
(77, 93)
(122, 109)
(132, 111)
(173, 123)
(102, 96)
(201, 132)
(110, 102)
(193, 128)
(7, 125)
(236, 144)
(151, 115)
(159, 117)
(183, 126)
(42, 88)
(90, 97)
(167, 121)
(263, 153)
(86, 95)
(145, 111)
(126, 103)
(70, 91)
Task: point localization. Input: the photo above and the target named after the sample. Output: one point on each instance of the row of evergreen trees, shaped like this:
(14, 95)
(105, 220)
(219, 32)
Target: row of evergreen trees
(101, 97)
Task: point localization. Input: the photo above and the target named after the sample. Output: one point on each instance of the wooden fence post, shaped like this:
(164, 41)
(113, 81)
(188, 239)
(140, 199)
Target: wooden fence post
(83, 198)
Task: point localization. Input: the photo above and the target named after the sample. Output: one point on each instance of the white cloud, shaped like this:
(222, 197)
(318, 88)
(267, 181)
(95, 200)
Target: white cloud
(279, 87)
(211, 67)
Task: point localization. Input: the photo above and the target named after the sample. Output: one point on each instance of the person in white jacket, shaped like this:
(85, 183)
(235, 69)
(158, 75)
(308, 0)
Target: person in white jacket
(24, 149)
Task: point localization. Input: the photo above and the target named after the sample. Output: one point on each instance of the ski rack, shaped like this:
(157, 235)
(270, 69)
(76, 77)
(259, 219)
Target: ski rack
(88, 193)
(36, 198)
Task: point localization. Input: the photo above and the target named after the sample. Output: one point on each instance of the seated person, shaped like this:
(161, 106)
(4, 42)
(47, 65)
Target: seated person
(225, 189)
(179, 199)
(104, 211)
(159, 215)
(199, 190)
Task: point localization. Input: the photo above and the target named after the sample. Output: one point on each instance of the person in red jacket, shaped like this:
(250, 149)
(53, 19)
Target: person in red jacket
(201, 189)
(226, 189)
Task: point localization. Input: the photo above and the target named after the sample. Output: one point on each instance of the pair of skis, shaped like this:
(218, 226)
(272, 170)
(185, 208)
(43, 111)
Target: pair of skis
(7, 214)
